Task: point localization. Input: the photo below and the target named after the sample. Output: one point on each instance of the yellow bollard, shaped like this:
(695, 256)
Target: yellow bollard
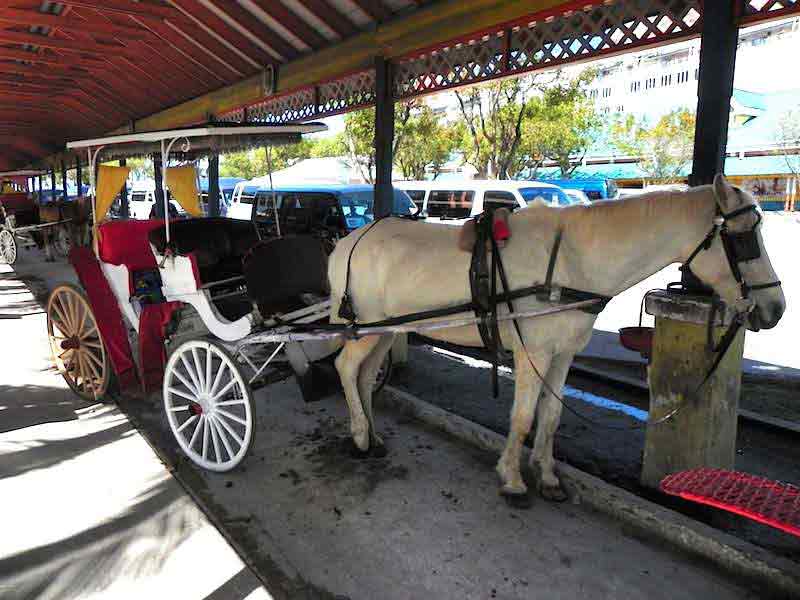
(702, 433)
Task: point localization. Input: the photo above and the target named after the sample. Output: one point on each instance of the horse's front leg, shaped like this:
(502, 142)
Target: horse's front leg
(526, 392)
(548, 415)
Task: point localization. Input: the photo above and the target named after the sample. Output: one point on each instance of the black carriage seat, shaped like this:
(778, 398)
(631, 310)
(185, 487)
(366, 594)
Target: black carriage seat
(218, 244)
(280, 270)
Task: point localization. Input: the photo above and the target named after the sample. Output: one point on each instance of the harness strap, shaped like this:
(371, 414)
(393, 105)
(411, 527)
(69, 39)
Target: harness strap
(551, 264)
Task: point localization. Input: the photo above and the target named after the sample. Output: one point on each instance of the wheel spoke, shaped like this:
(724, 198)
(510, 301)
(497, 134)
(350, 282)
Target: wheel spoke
(218, 378)
(205, 438)
(214, 439)
(200, 373)
(89, 354)
(84, 313)
(183, 380)
(177, 392)
(209, 360)
(62, 322)
(66, 304)
(92, 329)
(96, 344)
(197, 429)
(64, 353)
(230, 430)
(187, 422)
(230, 402)
(228, 386)
(190, 372)
(88, 363)
(222, 436)
(232, 417)
(180, 408)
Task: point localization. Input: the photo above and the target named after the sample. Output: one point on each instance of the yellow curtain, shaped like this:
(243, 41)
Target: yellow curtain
(8, 188)
(109, 182)
(182, 184)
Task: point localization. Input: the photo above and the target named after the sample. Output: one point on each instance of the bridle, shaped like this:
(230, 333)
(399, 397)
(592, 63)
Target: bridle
(740, 246)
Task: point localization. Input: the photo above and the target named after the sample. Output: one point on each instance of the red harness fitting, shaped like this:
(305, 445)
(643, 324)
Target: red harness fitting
(500, 230)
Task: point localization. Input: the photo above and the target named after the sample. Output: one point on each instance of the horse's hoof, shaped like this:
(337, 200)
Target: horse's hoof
(378, 450)
(517, 501)
(554, 493)
(354, 451)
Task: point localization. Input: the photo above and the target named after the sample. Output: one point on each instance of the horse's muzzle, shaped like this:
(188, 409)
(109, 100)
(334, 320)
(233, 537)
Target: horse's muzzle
(765, 317)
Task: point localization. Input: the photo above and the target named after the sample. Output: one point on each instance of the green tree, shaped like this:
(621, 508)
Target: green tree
(788, 138)
(141, 168)
(427, 144)
(254, 162)
(359, 137)
(664, 149)
(325, 147)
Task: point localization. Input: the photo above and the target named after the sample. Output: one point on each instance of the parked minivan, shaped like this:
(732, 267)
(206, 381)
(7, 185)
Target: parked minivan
(454, 202)
(595, 188)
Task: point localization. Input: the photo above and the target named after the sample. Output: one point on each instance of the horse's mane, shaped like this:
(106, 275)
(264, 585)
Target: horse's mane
(620, 215)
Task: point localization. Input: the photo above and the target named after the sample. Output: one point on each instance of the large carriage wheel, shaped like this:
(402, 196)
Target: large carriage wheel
(8, 247)
(209, 405)
(75, 342)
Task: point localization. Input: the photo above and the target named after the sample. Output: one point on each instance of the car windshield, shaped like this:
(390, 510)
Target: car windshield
(357, 207)
(552, 196)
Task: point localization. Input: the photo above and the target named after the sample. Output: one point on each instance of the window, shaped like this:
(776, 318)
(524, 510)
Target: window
(620, 108)
(666, 80)
(683, 77)
(451, 204)
(593, 93)
(650, 83)
(551, 196)
(606, 92)
(636, 86)
(495, 200)
(417, 197)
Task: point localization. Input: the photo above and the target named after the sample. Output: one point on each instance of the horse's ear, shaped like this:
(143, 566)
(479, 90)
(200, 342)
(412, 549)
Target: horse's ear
(726, 196)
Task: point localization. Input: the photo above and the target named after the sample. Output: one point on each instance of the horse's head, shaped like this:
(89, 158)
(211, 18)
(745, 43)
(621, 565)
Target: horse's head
(738, 252)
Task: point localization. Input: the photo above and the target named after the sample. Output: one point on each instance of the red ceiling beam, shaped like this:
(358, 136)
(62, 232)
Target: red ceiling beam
(375, 9)
(147, 10)
(66, 23)
(48, 58)
(41, 72)
(217, 24)
(327, 13)
(249, 22)
(44, 41)
(290, 21)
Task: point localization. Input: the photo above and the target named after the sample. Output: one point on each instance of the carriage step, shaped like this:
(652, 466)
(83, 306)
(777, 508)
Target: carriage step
(763, 500)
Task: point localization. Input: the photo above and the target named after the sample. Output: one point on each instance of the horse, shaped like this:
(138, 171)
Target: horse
(399, 267)
(78, 214)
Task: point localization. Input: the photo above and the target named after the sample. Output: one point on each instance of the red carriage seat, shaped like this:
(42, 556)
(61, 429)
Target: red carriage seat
(126, 243)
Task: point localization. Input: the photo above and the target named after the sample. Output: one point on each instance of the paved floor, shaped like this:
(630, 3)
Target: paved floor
(88, 510)
(93, 514)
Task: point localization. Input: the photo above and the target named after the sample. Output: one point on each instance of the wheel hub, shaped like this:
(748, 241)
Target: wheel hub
(72, 343)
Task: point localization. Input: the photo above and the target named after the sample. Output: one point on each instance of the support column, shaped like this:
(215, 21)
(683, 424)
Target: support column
(124, 210)
(213, 209)
(64, 180)
(384, 137)
(159, 186)
(714, 91)
(53, 184)
(39, 178)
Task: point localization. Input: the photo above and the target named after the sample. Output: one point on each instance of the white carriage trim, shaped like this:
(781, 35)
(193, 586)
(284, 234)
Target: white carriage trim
(119, 278)
(178, 283)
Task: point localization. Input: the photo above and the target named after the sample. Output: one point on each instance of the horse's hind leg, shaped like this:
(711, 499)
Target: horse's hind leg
(366, 382)
(348, 364)
(548, 416)
(526, 392)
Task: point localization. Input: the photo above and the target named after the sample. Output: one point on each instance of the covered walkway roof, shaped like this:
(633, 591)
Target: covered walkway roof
(82, 68)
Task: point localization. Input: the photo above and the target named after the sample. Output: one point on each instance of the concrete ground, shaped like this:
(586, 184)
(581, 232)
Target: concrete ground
(425, 521)
(88, 510)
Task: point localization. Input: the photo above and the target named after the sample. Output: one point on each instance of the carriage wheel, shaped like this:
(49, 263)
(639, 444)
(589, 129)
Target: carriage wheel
(75, 343)
(8, 247)
(209, 405)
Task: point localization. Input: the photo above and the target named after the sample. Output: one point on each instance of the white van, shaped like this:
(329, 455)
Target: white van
(142, 199)
(453, 202)
(241, 206)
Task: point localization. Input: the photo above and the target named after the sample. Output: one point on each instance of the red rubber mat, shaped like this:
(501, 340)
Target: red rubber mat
(769, 502)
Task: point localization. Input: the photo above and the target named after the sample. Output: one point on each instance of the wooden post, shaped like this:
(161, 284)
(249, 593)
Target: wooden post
(53, 184)
(384, 137)
(124, 208)
(702, 433)
(78, 174)
(213, 185)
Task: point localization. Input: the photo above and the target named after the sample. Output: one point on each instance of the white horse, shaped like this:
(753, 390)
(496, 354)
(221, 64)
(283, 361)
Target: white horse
(402, 267)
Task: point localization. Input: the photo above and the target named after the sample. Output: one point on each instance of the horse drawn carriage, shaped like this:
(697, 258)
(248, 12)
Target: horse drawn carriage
(24, 223)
